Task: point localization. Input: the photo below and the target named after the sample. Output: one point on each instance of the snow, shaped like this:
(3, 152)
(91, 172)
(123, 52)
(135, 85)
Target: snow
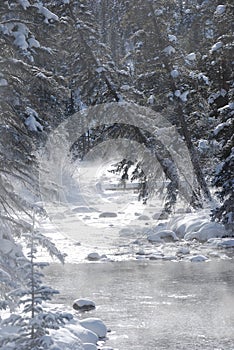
(221, 242)
(7, 247)
(24, 3)
(183, 250)
(217, 46)
(33, 42)
(183, 96)
(32, 124)
(203, 77)
(100, 70)
(159, 236)
(95, 325)
(20, 35)
(169, 50)
(4, 276)
(214, 96)
(151, 100)
(220, 9)
(65, 339)
(172, 38)
(222, 126)
(203, 145)
(85, 334)
(175, 73)
(3, 82)
(125, 87)
(158, 12)
(191, 56)
(198, 258)
(196, 226)
(47, 13)
(31, 121)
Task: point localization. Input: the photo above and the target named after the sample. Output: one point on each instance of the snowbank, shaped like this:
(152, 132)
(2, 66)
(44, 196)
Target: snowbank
(164, 234)
(196, 226)
(221, 242)
(95, 325)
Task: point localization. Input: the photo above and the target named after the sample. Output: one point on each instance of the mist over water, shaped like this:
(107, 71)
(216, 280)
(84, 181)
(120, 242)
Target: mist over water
(155, 305)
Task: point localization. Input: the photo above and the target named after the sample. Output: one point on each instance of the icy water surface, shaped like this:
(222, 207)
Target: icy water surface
(155, 305)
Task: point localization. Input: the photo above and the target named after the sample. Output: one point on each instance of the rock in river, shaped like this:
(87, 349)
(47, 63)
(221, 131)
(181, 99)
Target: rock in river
(83, 305)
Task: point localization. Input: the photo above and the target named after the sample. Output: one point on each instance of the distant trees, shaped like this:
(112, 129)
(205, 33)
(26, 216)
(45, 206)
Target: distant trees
(175, 57)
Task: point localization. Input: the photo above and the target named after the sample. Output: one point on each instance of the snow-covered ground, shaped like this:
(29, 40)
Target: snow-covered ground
(102, 221)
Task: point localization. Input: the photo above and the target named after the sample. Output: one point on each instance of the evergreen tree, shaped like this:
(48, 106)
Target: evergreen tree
(31, 321)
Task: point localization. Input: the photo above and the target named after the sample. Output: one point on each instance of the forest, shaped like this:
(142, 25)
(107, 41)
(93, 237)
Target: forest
(61, 58)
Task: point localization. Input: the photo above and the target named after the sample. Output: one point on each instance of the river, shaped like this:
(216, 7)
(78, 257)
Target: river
(152, 305)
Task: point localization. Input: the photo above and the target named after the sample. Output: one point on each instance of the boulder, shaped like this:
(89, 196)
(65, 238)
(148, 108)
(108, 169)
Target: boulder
(157, 237)
(143, 217)
(95, 325)
(108, 215)
(198, 258)
(83, 305)
(93, 256)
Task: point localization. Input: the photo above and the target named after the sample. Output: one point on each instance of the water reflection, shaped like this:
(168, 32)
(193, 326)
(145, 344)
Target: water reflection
(155, 305)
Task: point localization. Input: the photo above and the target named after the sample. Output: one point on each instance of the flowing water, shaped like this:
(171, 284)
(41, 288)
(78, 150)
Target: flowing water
(155, 305)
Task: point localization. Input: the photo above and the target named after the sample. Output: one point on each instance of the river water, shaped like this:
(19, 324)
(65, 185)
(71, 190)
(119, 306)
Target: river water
(152, 305)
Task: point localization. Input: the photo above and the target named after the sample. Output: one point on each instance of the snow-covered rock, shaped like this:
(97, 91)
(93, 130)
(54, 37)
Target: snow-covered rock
(169, 50)
(151, 100)
(32, 124)
(33, 42)
(217, 46)
(161, 235)
(95, 325)
(182, 95)
(191, 56)
(65, 339)
(198, 258)
(183, 251)
(221, 242)
(206, 231)
(220, 9)
(203, 145)
(85, 334)
(174, 73)
(83, 305)
(184, 224)
(172, 38)
(108, 215)
(3, 82)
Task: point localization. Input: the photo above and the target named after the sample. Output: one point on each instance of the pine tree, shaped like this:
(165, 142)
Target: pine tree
(31, 321)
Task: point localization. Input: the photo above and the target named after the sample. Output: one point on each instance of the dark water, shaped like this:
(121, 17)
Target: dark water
(155, 305)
